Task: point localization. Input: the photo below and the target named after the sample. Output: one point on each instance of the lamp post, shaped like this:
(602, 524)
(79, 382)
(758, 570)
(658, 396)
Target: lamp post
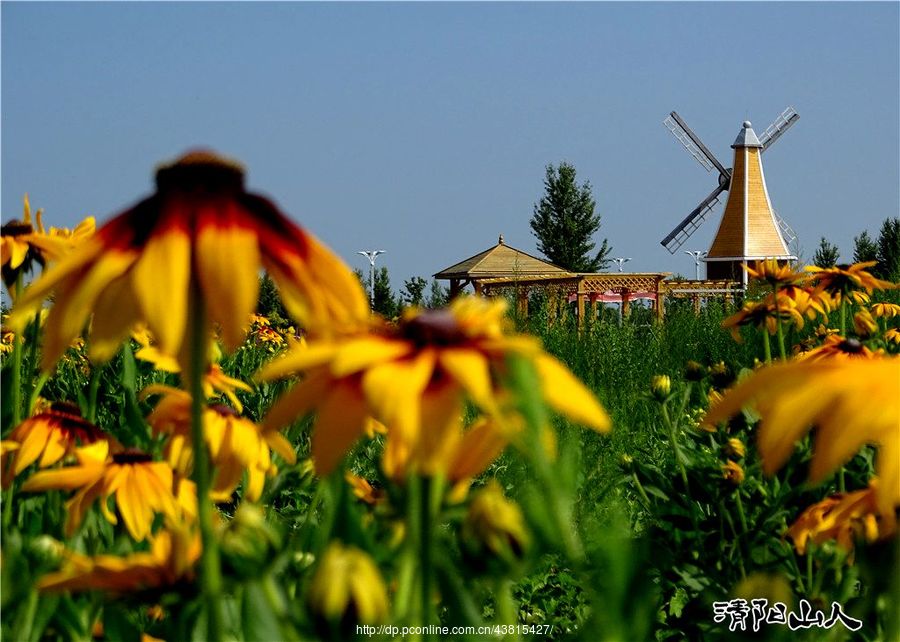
(620, 261)
(371, 255)
(697, 255)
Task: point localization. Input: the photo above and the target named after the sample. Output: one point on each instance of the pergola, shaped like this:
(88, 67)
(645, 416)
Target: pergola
(504, 269)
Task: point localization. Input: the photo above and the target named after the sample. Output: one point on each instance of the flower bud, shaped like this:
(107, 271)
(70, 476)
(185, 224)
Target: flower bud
(734, 448)
(347, 589)
(694, 371)
(249, 542)
(494, 527)
(721, 375)
(661, 386)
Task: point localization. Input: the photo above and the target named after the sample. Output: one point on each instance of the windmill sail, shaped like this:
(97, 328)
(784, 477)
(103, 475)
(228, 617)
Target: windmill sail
(787, 118)
(787, 232)
(677, 237)
(693, 144)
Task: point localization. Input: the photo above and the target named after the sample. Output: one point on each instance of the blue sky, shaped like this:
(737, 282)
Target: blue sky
(424, 129)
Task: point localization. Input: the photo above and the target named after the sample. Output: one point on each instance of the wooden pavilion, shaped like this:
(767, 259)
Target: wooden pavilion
(502, 269)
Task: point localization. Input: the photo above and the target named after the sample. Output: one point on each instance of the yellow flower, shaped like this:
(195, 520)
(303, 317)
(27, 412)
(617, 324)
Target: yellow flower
(893, 335)
(864, 324)
(142, 487)
(363, 490)
(171, 559)
(735, 449)
(733, 472)
(885, 310)
(775, 272)
(235, 443)
(810, 303)
(413, 377)
(661, 386)
(766, 314)
(495, 525)
(851, 402)
(837, 347)
(21, 244)
(843, 279)
(347, 585)
(844, 518)
(199, 240)
(50, 435)
(7, 339)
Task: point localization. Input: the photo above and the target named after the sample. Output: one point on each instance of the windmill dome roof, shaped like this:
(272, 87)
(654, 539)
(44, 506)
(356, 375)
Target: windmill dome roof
(747, 137)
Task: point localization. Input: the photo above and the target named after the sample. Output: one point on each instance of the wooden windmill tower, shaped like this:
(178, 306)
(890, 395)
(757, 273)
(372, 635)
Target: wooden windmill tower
(750, 228)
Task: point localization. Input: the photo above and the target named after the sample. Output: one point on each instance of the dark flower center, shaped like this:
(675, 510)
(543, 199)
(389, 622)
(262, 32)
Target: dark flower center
(433, 327)
(68, 417)
(223, 410)
(16, 228)
(850, 346)
(200, 171)
(132, 456)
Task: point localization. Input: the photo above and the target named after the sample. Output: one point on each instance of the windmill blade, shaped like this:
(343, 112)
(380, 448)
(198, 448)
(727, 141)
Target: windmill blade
(787, 233)
(692, 221)
(693, 144)
(784, 122)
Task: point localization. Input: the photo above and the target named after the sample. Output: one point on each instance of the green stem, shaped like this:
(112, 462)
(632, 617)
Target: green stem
(36, 391)
(93, 391)
(844, 316)
(640, 487)
(426, 569)
(16, 374)
(778, 327)
(506, 606)
(842, 485)
(674, 441)
(210, 568)
(25, 621)
(740, 507)
(32, 354)
(767, 346)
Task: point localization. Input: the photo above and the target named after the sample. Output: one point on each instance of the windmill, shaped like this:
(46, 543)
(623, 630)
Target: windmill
(750, 228)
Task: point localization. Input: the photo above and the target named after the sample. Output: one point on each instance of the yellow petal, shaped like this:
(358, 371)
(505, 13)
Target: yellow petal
(65, 478)
(567, 395)
(394, 391)
(362, 353)
(471, 369)
(115, 312)
(297, 360)
(298, 401)
(339, 423)
(228, 264)
(161, 278)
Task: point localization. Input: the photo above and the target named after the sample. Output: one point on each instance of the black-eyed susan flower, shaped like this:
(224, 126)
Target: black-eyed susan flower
(775, 272)
(837, 347)
(844, 518)
(765, 314)
(142, 487)
(863, 323)
(892, 335)
(841, 280)
(49, 436)
(851, 402)
(885, 310)
(733, 473)
(347, 588)
(199, 238)
(413, 377)
(734, 448)
(171, 559)
(235, 443)
(24, 242)
(660, 387)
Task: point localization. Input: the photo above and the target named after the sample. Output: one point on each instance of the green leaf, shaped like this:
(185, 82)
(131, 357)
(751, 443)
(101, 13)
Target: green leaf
(258, 618)
(678, 602)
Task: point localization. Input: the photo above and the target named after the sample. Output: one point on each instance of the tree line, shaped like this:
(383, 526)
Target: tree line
(885, 250)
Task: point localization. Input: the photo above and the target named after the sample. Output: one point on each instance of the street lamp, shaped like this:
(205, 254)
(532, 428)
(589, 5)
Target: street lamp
(697, 254)
(371, 255)
(620, 261)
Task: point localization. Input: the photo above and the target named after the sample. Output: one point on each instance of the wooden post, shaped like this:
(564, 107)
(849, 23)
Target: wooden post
(580, 298)
(696, 298)
(626, 304)
(477, 286)
(454, 288)
(660, 306)
(522, 303)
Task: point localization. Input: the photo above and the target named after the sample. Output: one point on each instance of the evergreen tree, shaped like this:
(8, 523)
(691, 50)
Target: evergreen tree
(564, 222)
(413, 291)
(438, 296)
(269, 303)
(864, 248)
(385, 303)
(888, 254)
(826, 255)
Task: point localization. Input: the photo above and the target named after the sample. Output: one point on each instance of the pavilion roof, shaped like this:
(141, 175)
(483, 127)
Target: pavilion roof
(500, 261)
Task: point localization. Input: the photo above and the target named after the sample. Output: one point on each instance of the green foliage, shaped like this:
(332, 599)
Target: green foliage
(413, 291)
(827, 254)
(438, 296)
(564, 222)
(864, 248)
(888, 254)
(269, 303)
